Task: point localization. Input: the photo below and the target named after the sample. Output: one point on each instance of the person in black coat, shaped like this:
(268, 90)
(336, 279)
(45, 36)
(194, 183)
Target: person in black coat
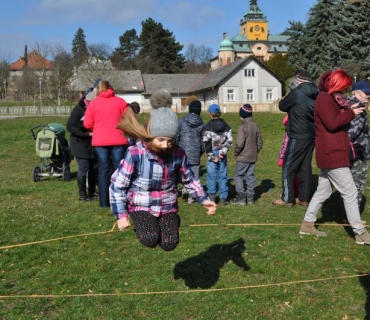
(299, 104)
(80, 141)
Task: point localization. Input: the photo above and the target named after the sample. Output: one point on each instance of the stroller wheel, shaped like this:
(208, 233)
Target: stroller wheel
(66, 173)
(36, 174)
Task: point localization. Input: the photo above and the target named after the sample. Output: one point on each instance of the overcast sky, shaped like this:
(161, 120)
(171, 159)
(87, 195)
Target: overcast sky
(201, 22)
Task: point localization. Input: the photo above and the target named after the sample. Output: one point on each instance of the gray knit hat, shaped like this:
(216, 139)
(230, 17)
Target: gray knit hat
(163, 121)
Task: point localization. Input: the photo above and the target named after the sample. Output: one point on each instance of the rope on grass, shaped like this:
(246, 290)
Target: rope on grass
(56, 239)
(192, 225)
(89, 295)
(268, 225)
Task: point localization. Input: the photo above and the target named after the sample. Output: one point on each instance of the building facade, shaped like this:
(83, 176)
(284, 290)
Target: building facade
(253, 39)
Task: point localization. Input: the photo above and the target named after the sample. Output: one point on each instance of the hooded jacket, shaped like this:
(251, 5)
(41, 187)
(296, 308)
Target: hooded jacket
(331, 119)
(190, 137)
(299, 105)
(217, 136)
(80, 139)
(102, 116)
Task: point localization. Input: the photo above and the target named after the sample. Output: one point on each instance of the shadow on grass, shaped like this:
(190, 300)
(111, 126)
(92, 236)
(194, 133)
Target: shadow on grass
(333, 211)
(365, 282)
(203, 270)
(265, 186)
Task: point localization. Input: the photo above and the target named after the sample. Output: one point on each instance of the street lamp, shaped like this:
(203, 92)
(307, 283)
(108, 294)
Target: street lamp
(5, 88)
(40, 82)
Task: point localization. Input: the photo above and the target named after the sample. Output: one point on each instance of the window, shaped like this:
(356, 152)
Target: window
(269, 95)
(230, 95)
(250, 95)
(249, 73)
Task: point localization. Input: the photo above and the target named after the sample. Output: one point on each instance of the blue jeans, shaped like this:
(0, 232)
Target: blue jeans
(214, 171)
(108, 159)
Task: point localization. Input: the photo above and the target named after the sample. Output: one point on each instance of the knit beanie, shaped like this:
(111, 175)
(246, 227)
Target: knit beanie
(304, 76)
(163, 121)
(195, 107)
(245, 111)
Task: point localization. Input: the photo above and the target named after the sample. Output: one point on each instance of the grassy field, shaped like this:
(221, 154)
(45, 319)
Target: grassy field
(60, 260)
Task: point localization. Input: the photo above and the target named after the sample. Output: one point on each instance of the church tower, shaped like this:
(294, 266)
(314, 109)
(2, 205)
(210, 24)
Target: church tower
(254, 25)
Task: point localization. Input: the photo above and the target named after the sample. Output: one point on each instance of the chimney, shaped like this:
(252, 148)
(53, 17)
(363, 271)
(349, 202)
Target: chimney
(225, 35)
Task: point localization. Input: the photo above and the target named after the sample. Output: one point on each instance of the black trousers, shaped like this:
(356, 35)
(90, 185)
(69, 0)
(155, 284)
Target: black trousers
(152, 231)
(297, 160)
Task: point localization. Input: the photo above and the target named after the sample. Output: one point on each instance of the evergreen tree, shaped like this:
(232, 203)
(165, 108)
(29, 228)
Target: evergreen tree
(352, 35)
(125, 56)
(159, 53)
(25, 57)
(320, 36)
(79, 47)
(296, 45)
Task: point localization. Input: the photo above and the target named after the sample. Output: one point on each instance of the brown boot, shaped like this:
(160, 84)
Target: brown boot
(309, 228)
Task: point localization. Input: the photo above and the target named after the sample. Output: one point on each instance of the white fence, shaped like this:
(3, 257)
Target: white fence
(66, 110)
(35, 111)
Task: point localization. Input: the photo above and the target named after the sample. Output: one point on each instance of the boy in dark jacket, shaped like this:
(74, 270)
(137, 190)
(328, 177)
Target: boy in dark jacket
(190, 136)
(217, 141)
(248, 144)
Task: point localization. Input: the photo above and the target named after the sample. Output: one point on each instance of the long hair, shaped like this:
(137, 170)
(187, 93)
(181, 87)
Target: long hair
(339, 81)
(103, 86)
(132, 128)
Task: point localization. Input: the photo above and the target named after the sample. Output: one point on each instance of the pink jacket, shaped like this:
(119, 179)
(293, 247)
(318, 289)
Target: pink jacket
(102, 116)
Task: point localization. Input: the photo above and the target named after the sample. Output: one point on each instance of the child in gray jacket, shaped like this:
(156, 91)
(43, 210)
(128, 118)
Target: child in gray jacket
(248, 144)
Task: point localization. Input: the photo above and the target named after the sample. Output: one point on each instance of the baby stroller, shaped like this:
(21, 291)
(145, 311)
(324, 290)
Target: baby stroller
(51, 146)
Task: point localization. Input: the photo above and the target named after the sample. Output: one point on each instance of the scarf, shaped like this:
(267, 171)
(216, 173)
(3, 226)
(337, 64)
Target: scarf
(341, 99)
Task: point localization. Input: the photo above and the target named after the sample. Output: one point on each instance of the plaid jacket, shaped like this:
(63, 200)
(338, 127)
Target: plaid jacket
(144, 182)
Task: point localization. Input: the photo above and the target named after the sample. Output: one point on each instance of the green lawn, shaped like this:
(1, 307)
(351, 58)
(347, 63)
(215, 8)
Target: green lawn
(242, 263)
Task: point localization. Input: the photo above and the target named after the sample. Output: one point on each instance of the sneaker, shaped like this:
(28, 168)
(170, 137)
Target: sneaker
(191, 200)
(279, 202)
(224, 202)
(363, 238)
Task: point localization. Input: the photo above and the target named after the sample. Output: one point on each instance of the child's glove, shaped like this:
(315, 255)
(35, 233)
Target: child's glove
(280, 162)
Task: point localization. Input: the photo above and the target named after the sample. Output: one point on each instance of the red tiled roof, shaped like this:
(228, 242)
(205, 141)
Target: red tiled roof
(35, 62)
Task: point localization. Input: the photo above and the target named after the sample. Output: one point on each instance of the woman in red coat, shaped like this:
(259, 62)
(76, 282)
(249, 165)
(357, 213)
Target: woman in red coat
(110, 144)
(332, 114)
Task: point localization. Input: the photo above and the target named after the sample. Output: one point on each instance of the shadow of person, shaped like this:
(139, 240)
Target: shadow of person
(265, 186)
(203, 270)
(365, 282)
(333, 211)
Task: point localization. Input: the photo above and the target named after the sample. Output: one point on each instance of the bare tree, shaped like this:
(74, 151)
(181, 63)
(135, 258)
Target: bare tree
(197, 58)
(4, 74)
(60, 77)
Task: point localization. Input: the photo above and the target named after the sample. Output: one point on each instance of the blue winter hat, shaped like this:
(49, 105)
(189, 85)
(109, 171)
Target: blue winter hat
(245, 111)
(363, 85)
(214, 109)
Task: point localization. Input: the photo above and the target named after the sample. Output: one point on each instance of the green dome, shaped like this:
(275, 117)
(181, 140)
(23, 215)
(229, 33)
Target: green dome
(226, 45)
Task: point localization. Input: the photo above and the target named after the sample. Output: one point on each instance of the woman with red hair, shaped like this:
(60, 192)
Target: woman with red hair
(332, 114)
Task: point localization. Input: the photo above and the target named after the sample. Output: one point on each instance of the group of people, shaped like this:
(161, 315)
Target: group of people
(96, 143)
(322, 118)
(148, 160)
